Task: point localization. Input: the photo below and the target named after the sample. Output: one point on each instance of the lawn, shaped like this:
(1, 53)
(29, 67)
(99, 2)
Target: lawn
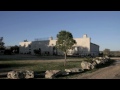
(36, 63)
(39, 63)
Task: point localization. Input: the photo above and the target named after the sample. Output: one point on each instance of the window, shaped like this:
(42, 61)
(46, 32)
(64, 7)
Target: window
(24, 45)
(29, 46)
(76, 48)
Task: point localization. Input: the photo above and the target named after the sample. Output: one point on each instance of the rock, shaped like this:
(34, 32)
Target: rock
(15, 75)
(74, 70)
(29, 74)
(98, 61)
(64, 73)
(107, 57)
(93, 59)
(85, 65)
(92, 66)
(52, 73)
(100, 58)
(102, 61)
(94, 63)
(106, 60)
(20, 74)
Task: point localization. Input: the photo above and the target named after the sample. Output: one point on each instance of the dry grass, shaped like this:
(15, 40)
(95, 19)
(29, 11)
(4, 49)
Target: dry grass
(35, 63)
(41, 63)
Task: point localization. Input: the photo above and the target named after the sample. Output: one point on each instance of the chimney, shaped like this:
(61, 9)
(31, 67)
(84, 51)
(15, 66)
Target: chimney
(51, 38)
(85, 36)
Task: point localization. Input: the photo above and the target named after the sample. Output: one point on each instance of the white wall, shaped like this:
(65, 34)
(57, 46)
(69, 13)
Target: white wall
(83, 46)
(94, 49)
(43, 45)
(24, 47)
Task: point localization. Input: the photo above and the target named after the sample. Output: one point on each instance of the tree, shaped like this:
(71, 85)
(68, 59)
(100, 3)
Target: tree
(1, 44)
(106, 52)
(15, 49)
(37, 51)
(65, 42)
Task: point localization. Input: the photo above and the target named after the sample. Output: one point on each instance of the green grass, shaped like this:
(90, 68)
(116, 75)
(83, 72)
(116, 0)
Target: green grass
(38, 66)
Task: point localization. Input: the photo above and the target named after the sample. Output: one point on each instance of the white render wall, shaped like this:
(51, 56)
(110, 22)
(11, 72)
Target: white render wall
(83, 46)
(94, 49)
(43, 45)
(24, 47)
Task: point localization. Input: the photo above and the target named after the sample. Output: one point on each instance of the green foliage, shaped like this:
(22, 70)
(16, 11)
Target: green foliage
(115, 53)
(18, 63)
(37, 51)
(38, 66)
(65, 41)
(15, 49)
(1, 44)
(106, 52)
(7, 52)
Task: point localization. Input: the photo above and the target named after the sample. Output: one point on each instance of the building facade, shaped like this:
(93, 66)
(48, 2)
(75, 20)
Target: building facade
(82, 47)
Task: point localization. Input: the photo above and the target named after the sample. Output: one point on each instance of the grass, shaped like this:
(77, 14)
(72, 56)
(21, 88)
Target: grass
(44, 63)
(38, 66)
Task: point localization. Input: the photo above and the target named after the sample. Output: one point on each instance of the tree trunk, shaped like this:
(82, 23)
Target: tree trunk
(65, 59)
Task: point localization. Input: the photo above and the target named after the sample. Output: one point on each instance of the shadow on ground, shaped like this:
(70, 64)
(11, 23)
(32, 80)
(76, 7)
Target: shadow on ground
(110, 62)
(13, 65)
(29, 57)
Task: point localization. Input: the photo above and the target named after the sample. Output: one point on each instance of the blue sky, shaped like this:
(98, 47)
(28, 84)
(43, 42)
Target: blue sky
(102, 26)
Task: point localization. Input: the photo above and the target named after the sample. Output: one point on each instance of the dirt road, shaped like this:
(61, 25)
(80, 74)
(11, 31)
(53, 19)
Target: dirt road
(110, 72)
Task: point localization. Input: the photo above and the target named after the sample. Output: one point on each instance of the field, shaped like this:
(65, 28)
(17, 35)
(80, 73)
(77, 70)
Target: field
(36, 63)
(39, 64)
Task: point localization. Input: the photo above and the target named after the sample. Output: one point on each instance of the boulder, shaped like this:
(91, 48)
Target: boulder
(107, 57)
(85, 65)
(50, 74)
(20, 74)
(64, 73)
(100, 58)
(106, 60)
(15, 75)
(92, 66)
(98, 61)
(74, 70)
(94, 59)
(94, 63)
(29, 74)
(102, 61)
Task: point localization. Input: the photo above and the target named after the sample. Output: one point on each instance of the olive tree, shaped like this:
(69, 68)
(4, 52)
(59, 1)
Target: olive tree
(65, 42)
(106, 52)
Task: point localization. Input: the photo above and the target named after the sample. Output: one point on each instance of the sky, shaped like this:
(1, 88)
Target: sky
(103, 27)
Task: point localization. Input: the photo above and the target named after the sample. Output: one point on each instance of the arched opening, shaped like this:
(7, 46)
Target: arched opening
(54, 51)
(40, 51)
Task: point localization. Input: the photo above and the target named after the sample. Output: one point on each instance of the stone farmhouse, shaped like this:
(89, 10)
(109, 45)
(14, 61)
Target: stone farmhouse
(84, 46)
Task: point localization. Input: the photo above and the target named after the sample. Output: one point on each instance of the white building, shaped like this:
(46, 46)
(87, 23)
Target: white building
(25, 47)
(82, 47)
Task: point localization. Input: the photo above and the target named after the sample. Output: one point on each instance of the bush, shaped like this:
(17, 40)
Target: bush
(37, 51)
(8, 52)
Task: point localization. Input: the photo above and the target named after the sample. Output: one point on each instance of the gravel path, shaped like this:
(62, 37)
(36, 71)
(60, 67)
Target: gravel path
(110, 72)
